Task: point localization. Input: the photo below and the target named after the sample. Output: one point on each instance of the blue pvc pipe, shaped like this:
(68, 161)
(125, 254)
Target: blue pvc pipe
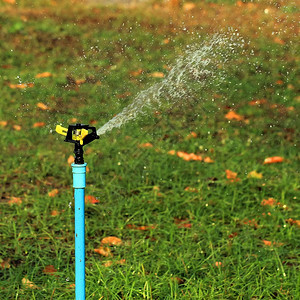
(79, 172)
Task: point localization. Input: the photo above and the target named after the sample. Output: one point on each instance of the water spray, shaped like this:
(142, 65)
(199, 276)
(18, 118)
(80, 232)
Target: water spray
(79, 135)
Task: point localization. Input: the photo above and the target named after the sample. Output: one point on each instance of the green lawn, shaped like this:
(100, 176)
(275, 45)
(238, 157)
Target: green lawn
(187, 230)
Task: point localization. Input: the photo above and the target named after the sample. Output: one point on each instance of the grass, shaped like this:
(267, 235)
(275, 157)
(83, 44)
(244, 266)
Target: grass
(206, 243)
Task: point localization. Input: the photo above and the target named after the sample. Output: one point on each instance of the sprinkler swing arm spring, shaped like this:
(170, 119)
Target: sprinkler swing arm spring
(79, 135)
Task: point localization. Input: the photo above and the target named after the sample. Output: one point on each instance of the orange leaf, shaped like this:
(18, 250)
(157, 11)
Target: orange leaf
(42, 106)
(111, 240)
(231, 115)
(21, 85)
(208, 160)
(71, 159)
(172, 152)
(191, 189)
(192, 135)
(80, 81)
(55, 213)
(91, 199)
(157, 75)
(43, 75)
(53, 193)
(279, 41)
(293, 222)
(17, 127)
(4, 264)
(50, 270)
(136, 73)
(272, 160)
(145, 145)
(29, 284)
(15, 200)
(187, 6)
(218, 264)
(270, 202)
(3, 123)
(142, 228)
(104, 251)
(10, 1)
(279, 82)
(257, 102)
(251, 223)
(232, 176)
(38, 124)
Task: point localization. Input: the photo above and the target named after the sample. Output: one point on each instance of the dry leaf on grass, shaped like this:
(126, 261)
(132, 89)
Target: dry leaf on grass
(112, 241)
(104, 251)
(29, 284)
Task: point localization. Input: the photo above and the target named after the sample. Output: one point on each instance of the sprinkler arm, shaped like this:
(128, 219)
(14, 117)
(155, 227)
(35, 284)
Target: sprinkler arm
(79, 135)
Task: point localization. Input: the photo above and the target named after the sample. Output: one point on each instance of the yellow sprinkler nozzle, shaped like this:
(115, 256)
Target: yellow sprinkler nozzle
(79, 135)
(61, 130)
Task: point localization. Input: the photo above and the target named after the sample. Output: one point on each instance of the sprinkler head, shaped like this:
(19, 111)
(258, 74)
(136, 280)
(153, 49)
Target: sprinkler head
(79, 135)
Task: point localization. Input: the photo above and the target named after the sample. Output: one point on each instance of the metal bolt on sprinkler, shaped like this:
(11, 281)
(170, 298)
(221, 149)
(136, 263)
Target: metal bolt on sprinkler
(79, 135)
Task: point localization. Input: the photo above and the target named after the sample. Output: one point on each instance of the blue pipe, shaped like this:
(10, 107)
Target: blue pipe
(79, 171)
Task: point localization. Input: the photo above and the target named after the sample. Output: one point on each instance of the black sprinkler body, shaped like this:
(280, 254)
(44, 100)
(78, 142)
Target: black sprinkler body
(79, 135)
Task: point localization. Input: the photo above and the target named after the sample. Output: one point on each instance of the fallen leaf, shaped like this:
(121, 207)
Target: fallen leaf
(80, 81)
(42, 106)
(104, 251)
(17, 127)
(55, 213)
(172, 152)
(191, 189)
(108, 263)
(189, 156)
(293, 222)
(232, 235)
(279, 41)
(157, 75)
(10, 1)
(43, 75)
(21, 85)
(232, 176)
(142, 228)
(257, 102)
(38, 124)
(182, 223)
(136, 73)
(50, 270)
(254, 174)
(208, 160)
(111, 240)
(218, 264)
(188, 6)
(53, 193)
(29, 284)
(91, 199)
(231, 115)
(166, 41)
(15, 200)
(251, 223)
(270, 202)
(269, 243)
(279, 82)
(71, 159)
(272, 160)
(145, 145)
(3, 123)
(4, 264)
(191, 135)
